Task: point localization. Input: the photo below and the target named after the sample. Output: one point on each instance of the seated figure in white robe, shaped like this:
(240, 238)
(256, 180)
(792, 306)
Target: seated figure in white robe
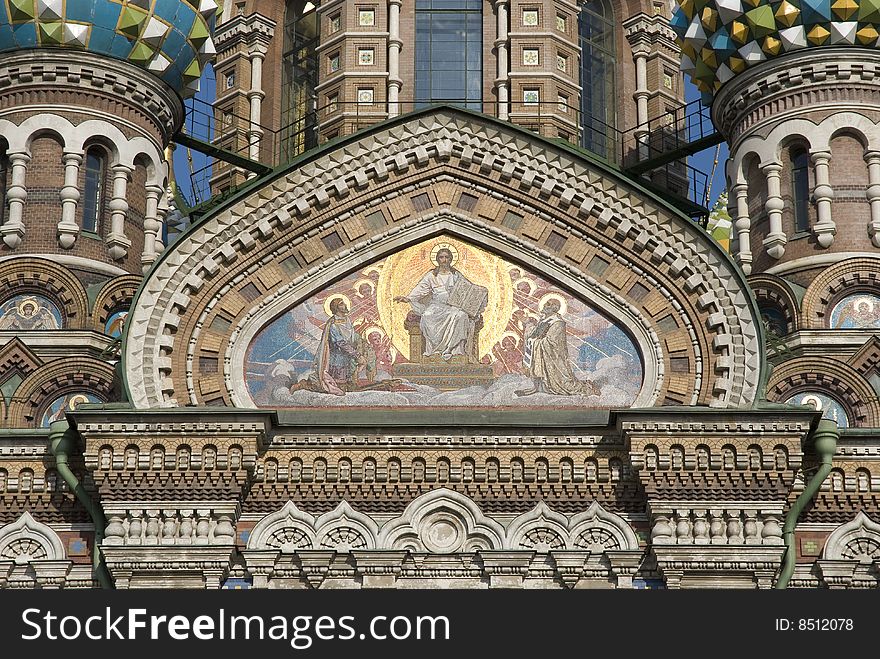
(447, 329)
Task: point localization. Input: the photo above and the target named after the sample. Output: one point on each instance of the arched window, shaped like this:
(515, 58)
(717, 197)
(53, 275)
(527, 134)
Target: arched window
(800, 188)
(299, 66)
(598, 65)
(93, 190)
(449, 52)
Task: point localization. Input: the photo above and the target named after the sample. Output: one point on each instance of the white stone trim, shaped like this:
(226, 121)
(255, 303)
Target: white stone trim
(27, 528)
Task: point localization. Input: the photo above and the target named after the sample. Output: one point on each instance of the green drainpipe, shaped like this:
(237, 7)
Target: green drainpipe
(61, 442)
(825, 442)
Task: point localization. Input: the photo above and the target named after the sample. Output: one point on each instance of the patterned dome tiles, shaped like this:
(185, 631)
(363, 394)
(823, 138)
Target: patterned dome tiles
(722, 38)
(169, 38)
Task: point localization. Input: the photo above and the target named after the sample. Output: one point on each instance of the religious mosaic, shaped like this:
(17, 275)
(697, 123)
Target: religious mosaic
(29, 312)
(856, 312)
(829, 407)
(115, 324)
(63, 404)
(443, 323)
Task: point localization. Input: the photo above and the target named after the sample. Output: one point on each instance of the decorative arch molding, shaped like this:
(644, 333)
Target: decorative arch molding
(27, 540)
(54, 379)
(116, 293)
(43, 277)
(777, 292)
(443, 521)
(836, 378)
(855, 275)
(568, 212)
(74, 137)
(817, 136)
(857, 540)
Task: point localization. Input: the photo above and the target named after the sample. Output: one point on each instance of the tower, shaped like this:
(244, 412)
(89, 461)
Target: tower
(92, 97)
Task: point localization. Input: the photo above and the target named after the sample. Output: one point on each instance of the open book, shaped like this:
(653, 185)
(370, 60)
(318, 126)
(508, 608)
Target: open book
(468, 297)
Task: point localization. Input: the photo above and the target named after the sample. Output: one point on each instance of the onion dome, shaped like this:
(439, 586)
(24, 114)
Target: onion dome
(722, 38)
(169, 38)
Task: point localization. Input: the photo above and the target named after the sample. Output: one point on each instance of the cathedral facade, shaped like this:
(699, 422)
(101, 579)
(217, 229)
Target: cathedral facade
(447, 316)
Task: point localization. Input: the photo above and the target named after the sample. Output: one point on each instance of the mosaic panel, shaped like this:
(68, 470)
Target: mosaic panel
(66, 403)
(115, 324)
(29, 312)
(857, 311)
(829, 407)
(443, 323)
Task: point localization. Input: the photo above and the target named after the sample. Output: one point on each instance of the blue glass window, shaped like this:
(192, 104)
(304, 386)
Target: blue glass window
(598, 66)
(93, 191)
(449, 57)
(800, 188)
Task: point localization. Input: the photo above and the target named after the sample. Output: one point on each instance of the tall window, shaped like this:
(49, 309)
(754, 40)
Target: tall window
(93, 192)
(299, 125)
(449, 57)
(598, 66)
(800, 188)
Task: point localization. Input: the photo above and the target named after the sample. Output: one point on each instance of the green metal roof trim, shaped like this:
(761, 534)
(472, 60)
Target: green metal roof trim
(551, 144)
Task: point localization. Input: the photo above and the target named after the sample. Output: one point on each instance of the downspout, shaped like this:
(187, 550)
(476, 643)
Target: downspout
(61, 442)
(825, 443)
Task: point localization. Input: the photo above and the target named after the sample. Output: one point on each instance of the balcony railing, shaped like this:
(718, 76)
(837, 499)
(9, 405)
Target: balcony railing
(236, 149)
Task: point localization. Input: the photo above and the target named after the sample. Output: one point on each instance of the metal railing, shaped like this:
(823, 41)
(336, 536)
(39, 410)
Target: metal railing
(231, 136)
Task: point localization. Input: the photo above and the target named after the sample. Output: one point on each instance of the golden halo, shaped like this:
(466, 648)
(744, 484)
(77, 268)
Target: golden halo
(361, 282)
(563, 303)
(868, 302)
(374, 329)
(75, 400)
(333, 297)
(440, 246)
(28, 302)
(531, 283)
(513, 335)
(813, 400)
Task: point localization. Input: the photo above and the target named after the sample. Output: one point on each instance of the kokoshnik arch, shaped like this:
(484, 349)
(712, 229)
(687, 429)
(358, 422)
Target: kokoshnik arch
(446, 341)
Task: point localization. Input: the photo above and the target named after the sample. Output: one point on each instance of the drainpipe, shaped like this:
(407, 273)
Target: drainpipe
(61, 442)
(825, 442)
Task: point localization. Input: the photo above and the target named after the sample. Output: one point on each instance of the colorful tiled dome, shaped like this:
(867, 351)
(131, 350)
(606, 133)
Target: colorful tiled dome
(169, 38)
(721, 38)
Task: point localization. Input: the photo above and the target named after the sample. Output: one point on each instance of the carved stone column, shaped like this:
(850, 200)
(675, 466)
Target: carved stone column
(117, 242)
(255, 97)
(502, 88)
(742, 226)
(395, 82)
(823, 194)
(68, 229)
(152, 226)
(776, 239)
(12, 229)
(873, 192)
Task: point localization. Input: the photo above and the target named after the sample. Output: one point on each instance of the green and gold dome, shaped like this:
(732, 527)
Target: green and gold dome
(722, 38)
(169, 38)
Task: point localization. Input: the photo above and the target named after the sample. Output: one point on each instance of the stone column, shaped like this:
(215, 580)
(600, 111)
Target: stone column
(776, 239)
(823, 194)
(742, 226)
(640, 56)
(68, 229)
(152, 225)
(255, 97)
(395, 82)
(873, 192)
(12, 229)
(502, 88)
(117, 243)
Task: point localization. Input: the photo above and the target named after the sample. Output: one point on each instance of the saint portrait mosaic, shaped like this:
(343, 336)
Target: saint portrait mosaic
(29, 312)
(443, 323)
